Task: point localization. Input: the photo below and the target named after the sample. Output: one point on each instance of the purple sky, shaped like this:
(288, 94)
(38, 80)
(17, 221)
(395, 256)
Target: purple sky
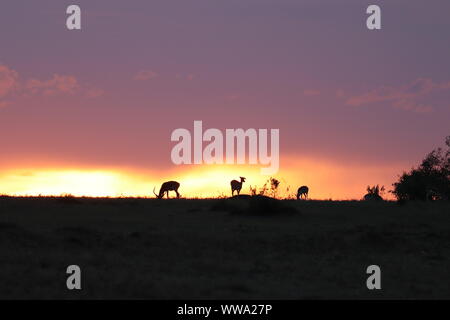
(137, 70)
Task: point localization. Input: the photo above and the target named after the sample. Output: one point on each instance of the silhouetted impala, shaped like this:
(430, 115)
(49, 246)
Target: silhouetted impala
(302, 191)
(236, 185)
(166, 187)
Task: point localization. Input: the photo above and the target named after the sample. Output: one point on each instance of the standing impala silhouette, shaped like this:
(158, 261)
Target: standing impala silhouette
(236, 186)
(166, 187)
(302, 191)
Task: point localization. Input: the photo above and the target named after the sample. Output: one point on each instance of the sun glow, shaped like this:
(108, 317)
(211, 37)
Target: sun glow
(199, 182)
(215, 181)
(325, 180)
(77, 183)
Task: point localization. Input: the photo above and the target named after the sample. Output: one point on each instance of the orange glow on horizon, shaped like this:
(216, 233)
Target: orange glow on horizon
(325, 180)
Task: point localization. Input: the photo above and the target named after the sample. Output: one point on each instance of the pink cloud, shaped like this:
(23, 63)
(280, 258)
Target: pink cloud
(94, 93)
(404, 97)
(58, 84)
(410, 105)
(188, 77)
(8, 80)
(145, 75)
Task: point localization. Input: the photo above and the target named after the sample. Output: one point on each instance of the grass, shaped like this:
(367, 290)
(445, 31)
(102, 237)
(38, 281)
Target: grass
(222, 248)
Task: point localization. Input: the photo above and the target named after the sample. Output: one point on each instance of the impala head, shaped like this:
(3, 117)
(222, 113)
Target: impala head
(160, 195)
(242, 179)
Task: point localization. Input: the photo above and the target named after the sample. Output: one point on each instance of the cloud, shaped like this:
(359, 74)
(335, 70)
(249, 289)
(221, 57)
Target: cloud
(9, 83)
(403, 97)
(94, 93)
(145, 75)
(58, 84)
(8, 80)
(311, 92)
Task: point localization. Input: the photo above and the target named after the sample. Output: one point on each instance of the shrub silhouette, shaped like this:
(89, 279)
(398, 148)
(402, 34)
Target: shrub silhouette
(429, 181)
(274, 184)
(373, 193)
(270, 188)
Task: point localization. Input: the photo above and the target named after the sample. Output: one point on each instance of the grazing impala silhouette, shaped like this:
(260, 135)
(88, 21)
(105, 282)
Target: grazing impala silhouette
(302, 191)
(236, 185)
(166, 187)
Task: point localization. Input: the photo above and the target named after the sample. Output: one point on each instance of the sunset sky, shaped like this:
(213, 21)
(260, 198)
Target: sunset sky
(91, 112)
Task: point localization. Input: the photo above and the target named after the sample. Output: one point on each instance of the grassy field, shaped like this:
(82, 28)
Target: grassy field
(206, 249)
